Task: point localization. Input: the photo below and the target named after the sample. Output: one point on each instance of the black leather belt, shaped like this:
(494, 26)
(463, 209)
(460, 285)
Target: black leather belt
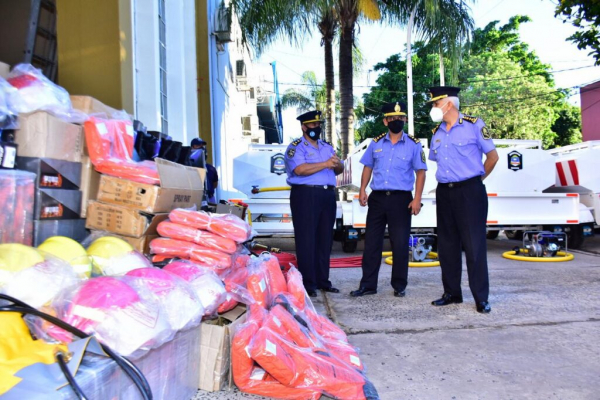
(390, 192)
(461, 183)
(326, 187)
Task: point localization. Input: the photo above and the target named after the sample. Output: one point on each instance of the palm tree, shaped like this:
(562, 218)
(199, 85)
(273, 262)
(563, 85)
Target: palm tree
(328, 27)
(314, 97)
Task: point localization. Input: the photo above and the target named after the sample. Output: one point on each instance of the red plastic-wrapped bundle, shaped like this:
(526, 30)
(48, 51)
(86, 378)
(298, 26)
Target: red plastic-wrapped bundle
(258, 283)
(295, 286)
(225, 225)
(178, 248)
(110, 145)
(209, 240)
(16, 201)
(311, 369)
(248, 376)
(234, 279)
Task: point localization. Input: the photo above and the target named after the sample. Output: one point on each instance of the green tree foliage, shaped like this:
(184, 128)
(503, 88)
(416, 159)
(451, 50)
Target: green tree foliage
(503, 82)
(584, 14)
(313, 96)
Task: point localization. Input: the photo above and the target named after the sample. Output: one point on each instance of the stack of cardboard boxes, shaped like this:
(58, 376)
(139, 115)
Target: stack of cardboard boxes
(133, 210)
(52, 149)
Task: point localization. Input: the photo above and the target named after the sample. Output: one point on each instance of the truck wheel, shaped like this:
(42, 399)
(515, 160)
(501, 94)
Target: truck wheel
(349, 246)
(492, 234)
(575, 237)
(514, 235)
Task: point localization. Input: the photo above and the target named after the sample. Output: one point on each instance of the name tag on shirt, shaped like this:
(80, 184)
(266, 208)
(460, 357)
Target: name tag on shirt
(377, 150)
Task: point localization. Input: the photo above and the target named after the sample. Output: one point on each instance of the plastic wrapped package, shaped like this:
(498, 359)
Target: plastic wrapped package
(207, 239)
(248, 376)
(295, 286)
(312, 369)
(32, 276)
(207, 285)
(119, 311)
(183, 307)
(70, 251)
(233, 279)
(172, 371)
(110, 145)
(276, 278)
(36, 92)
(203, 255)
(225, 225)
(114, 256)
(16, 200)
(258, 283)
(8, 116)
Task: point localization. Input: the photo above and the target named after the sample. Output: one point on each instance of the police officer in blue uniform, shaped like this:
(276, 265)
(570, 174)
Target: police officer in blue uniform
(458, 144)
(311, 165)
(392, 159)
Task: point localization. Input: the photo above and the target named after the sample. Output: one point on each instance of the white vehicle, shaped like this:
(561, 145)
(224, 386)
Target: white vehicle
(516, 193)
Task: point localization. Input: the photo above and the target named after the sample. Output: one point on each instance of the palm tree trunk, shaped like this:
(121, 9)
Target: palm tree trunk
(346, 90)
(330, 84)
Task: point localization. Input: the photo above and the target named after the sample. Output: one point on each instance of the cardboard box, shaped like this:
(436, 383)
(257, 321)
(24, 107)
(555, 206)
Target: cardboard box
(57, 204)
(45, 136)
(215, 349)
(122, 220)
(90, 105)
(90, 182)
(141, 244)
(73, 228)
(4, 70)
(181, 187)
(52, 174)
(230, 209)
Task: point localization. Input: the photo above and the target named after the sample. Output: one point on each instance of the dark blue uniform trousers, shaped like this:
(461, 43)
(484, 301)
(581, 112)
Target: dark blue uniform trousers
(461, 221)
(391, 210)
(313, 216)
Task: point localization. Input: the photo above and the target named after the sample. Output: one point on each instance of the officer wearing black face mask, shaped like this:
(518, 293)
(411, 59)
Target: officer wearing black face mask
(393, 159)
(311, 165)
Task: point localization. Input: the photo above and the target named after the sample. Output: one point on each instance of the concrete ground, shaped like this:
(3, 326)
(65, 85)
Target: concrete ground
(541, 340)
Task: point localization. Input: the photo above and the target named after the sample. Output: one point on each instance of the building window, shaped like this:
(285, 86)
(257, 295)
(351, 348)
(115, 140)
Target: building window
(162, 48)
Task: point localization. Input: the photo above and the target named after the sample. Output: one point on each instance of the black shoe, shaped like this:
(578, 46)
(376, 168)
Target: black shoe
(483, 307)
(399, 293)
(447, 299)
(312, 293)
(331, 289)
(362, 292)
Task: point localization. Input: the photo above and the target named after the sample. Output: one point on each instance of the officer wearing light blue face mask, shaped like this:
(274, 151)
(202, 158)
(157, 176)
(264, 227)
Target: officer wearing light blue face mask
(393, 159)
(457, 146)
(311, 165)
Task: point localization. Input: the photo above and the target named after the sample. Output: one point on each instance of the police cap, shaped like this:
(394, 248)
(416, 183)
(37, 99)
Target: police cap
(441, 92)
(394, 108)
(311, 116)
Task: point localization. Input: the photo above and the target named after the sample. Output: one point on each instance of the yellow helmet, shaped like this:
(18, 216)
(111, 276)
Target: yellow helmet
(70, 251)
(15, 257)
(103, 249)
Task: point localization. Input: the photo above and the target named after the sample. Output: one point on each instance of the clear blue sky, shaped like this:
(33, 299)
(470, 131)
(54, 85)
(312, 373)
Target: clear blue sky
(545, 35)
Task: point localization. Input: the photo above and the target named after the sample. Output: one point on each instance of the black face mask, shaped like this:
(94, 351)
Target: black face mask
(396, 126)
(314, 133)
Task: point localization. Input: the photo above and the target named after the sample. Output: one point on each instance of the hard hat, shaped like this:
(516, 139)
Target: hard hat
(105, 248)
(15, 257)
(70, 251)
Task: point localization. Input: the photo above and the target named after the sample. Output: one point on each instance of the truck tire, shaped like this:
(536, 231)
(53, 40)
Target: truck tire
(349, 246)
(575, 237)
(492, 234)
(514, 235)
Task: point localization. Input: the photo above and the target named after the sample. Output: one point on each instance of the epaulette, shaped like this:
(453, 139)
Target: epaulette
(470, 119)
(297, 142)
(414, 139)
(434, 130)
(378, 138)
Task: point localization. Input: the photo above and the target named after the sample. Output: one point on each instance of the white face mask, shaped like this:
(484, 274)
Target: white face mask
(436, 114)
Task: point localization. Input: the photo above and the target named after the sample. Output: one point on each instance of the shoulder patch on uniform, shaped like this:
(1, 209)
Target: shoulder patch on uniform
(291, 151)
(414, 139)
(434, 130)
(296, 142)
(485, 132)
(378, 138)
(470, 119)
(423, 156)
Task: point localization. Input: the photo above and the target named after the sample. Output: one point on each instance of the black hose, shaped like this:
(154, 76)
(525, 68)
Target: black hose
(62, 363)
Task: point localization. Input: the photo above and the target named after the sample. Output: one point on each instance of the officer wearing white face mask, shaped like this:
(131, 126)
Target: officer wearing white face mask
(458, 144)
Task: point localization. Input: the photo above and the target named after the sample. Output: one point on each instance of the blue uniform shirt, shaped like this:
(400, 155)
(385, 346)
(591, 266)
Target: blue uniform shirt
(299, 152)
(394, 164)
(458, 153)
